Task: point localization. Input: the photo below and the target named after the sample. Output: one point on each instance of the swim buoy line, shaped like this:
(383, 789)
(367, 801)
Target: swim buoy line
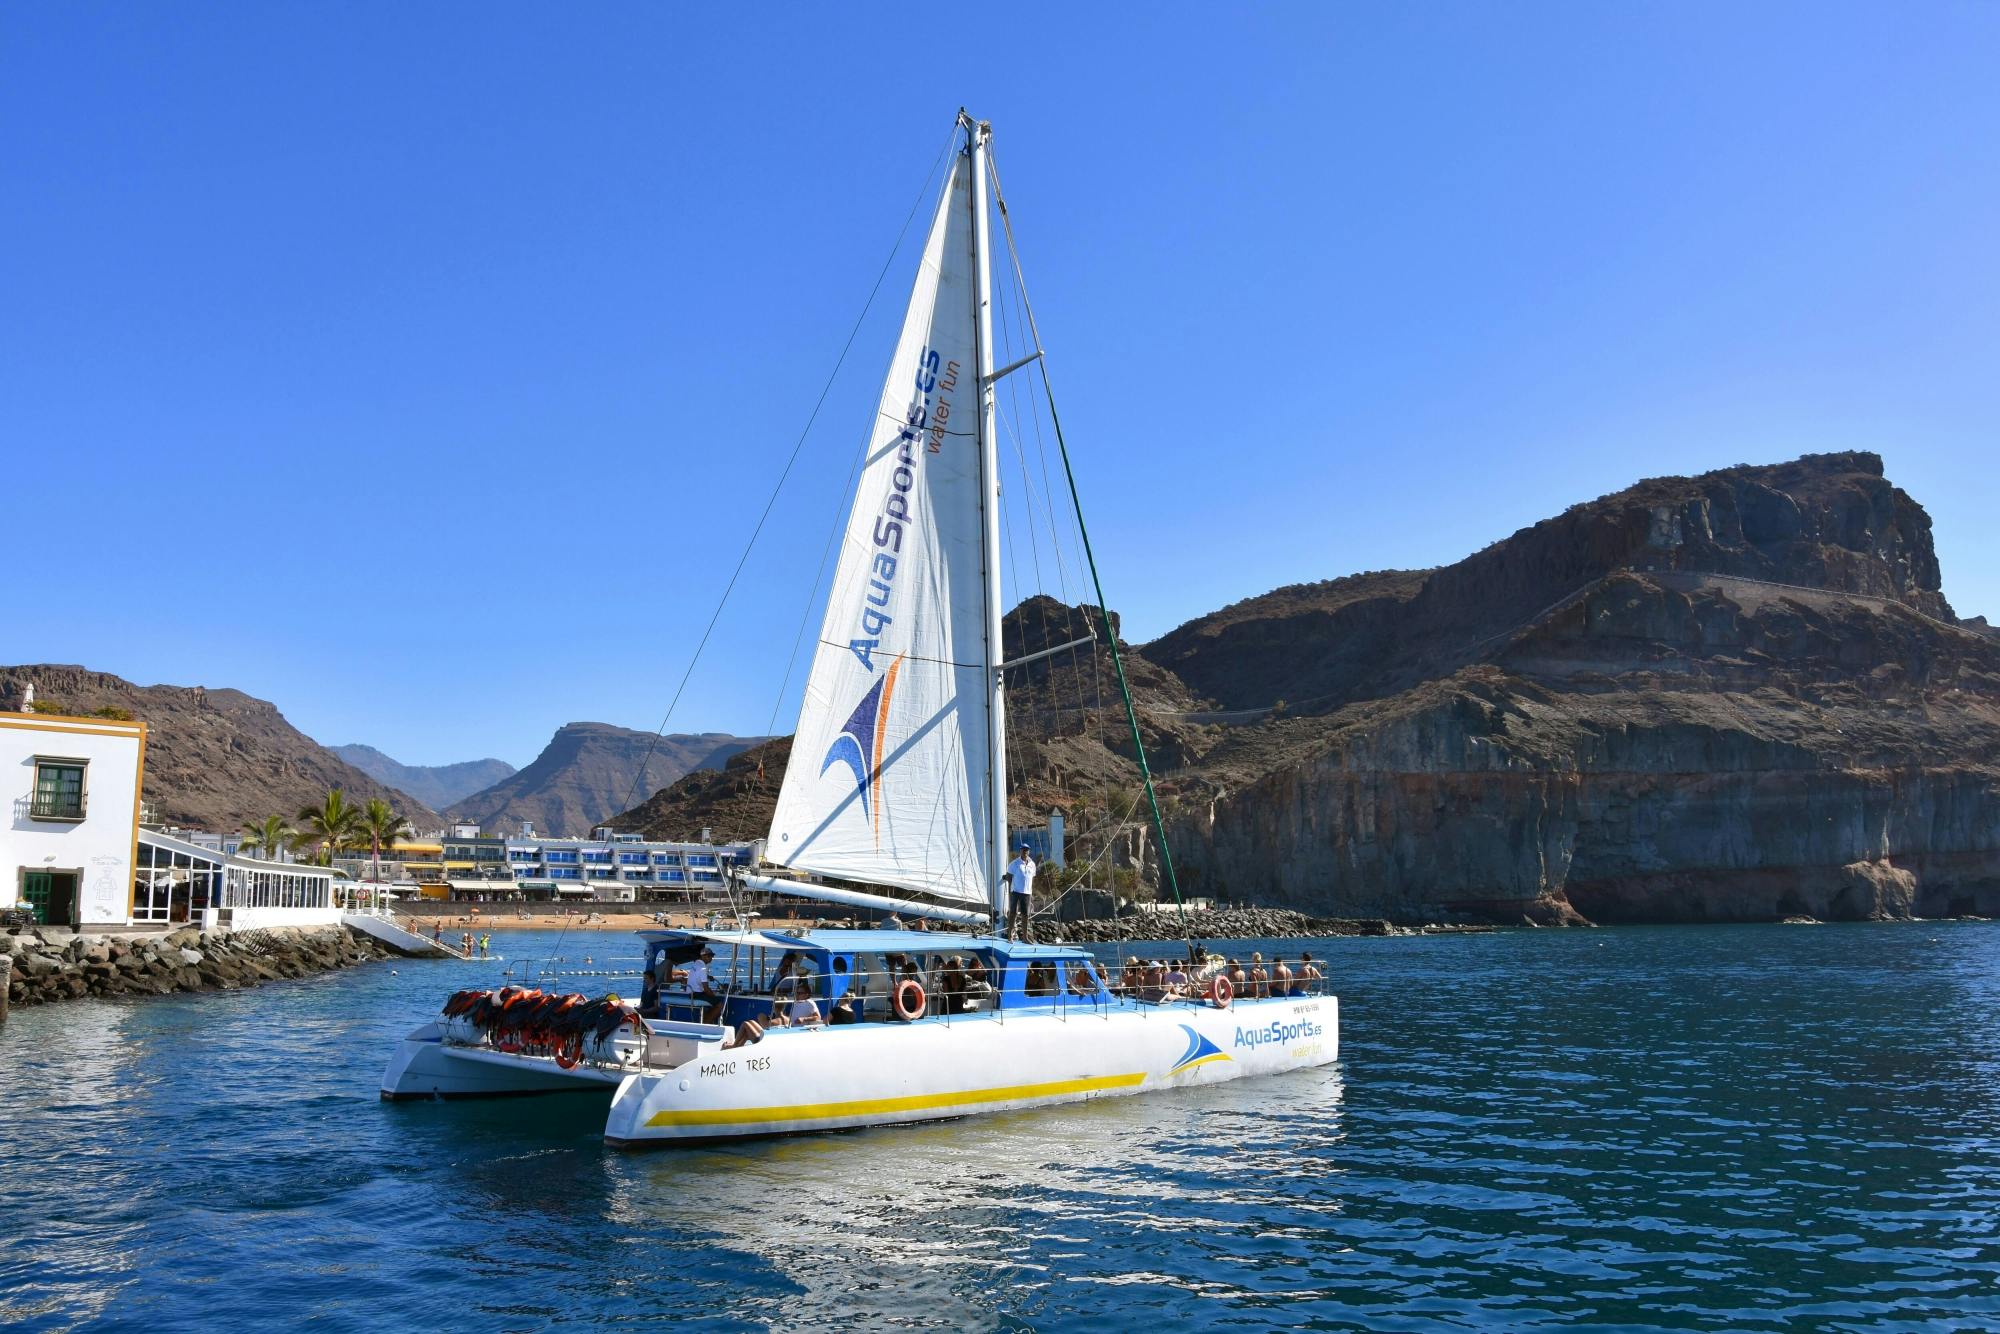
(907, 1006)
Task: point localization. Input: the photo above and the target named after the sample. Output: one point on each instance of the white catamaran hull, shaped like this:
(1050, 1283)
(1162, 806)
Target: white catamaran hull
(797, 1081)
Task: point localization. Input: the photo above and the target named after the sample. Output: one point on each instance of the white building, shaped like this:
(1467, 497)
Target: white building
(623, 868)
(72, 846)
(180, 881)
(71, 833)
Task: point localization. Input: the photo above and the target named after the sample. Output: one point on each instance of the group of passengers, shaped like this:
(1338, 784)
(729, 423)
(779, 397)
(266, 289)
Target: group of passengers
(954, 984)
(1041, 980)
(1156, 980)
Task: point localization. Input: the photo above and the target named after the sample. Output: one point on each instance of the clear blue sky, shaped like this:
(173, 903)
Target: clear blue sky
(419, 367)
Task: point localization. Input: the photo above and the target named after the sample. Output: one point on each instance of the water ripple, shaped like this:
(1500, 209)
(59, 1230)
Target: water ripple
(1742, 1129)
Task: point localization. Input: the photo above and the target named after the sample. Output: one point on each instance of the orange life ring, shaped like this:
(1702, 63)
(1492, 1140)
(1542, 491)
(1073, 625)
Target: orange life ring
(1220, 991)
(568, 1053)
(905, 1007)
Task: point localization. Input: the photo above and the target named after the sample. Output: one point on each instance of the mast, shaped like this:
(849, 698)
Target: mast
(979, 136)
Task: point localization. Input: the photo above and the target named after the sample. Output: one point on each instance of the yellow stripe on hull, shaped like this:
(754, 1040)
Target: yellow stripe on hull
(818, 1111)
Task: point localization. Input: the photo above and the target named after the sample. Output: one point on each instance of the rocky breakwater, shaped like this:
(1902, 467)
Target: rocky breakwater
(1221, 924)
(52, 966)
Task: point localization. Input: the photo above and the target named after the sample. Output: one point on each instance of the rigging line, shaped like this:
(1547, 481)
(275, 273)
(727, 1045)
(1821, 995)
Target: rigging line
(797, 447)
(1055, 542)
(1083, 532)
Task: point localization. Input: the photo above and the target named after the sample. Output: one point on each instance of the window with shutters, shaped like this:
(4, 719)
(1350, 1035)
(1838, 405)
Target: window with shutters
(58, 790)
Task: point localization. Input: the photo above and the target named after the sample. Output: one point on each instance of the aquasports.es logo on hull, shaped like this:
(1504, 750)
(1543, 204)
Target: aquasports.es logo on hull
(860, 742)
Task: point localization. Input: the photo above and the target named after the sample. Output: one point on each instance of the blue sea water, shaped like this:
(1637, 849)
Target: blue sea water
(1742, 1128)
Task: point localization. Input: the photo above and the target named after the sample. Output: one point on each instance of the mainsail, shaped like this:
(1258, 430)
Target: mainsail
(892, 775)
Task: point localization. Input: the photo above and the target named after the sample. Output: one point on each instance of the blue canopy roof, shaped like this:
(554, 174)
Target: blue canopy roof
(840, 940)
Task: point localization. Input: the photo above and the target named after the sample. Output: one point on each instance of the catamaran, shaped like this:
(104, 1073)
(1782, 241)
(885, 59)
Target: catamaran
(896, 801)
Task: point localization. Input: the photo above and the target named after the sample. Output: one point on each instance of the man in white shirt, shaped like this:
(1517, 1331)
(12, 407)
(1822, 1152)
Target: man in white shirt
(1020, 896)
(700, 986)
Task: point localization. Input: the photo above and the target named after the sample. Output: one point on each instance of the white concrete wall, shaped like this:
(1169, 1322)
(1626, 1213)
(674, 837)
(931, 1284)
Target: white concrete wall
(98, 848)
(253, 919)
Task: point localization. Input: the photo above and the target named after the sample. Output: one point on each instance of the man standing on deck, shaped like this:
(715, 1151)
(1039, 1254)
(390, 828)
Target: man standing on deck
(1020, 896)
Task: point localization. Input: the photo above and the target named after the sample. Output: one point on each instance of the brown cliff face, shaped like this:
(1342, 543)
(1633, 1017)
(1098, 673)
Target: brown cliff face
(1733, 697)
(733, 802)
(215, 759)
(1665, 735)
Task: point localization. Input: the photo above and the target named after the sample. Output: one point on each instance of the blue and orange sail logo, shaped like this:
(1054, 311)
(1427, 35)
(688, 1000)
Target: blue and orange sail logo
(860, 743)
(1200, 1051)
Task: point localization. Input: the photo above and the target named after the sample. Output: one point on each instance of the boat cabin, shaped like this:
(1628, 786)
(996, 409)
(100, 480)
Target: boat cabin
(862, 976)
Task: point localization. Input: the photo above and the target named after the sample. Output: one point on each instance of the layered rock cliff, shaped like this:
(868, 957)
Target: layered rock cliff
(1733, 697)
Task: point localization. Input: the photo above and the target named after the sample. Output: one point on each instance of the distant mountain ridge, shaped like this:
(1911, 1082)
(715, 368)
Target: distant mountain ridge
(590, 772)
(437, 785)
(215, 759)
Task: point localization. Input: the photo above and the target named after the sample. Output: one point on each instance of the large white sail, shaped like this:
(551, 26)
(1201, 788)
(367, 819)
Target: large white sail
(890, 771)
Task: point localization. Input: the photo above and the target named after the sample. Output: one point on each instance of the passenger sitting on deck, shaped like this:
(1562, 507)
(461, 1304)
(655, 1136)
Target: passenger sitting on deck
(1306, 980)
(1237, 980)
(800, 1011)
(1260, 981)
(1081, 983)
(951, 985)
(747, 1032)
(1132, 978)
(978, 987)
(845, 1011)
(1041, 980)
(702, 988)
(1175, 979)
(1281, 977)
(1152, 981)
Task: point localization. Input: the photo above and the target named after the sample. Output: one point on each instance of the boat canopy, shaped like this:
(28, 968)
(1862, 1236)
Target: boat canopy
(845, 941)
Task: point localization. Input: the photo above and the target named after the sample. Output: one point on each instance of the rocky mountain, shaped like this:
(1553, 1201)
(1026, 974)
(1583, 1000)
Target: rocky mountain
(437, 785)
(733, 802)
(1738, 696)
(215, 759)
(589, 772)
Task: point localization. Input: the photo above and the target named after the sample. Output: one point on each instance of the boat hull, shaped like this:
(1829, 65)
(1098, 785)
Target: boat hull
(799, 1081)
(427, 1066)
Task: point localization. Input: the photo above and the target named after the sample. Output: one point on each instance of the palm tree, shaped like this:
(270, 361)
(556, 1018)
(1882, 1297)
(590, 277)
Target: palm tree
(334, 824)
(270, 836)
(380, 827)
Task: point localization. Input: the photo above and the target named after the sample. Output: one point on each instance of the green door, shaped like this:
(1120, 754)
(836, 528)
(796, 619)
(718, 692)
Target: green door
(35, 892)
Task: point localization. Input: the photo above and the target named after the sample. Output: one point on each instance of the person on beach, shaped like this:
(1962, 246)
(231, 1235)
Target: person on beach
(1020, 881)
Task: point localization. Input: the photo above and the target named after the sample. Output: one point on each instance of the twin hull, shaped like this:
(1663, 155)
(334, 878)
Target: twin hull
(801, 1080)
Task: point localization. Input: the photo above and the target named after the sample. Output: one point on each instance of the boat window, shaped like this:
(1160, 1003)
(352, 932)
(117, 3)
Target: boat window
(1080, 977)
